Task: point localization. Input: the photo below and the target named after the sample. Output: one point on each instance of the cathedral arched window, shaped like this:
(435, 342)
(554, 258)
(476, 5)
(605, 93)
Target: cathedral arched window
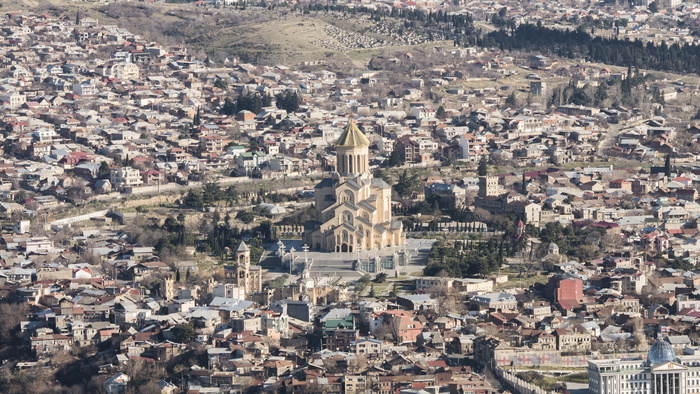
(347, 196)
(345, 236)
(347, 217)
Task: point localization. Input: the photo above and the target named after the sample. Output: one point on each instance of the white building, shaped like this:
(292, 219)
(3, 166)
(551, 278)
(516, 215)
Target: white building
(119, 70)
(495, 301)
(45, 135)
(14, 100)
(124, 177)
(662, 373)
(229, 290)
(37, 244)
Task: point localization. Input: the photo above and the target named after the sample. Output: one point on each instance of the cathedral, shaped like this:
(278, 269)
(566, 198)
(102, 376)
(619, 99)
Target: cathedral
(353, 210)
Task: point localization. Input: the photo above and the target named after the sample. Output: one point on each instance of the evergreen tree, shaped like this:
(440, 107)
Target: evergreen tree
(266, 100)
(653, 7)
(197, 121)
(511, 100)
(183, 332)
(77, 18)
(483, 169)
(221, 84)
(177, 275)
(600, 95)
(229, 107)
(440, 113)
(288, 101)
(104, 170)
(394, 159)
(194, 199)
(667, 166)
(394, 291)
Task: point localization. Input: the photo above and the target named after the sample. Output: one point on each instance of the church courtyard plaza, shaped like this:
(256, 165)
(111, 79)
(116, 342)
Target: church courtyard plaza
(343, 264)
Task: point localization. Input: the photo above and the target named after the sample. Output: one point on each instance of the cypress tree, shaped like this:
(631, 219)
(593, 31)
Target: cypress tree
(483, 169)
(197, 121)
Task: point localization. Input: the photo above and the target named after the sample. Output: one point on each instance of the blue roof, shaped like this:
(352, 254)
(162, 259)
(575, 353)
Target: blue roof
(661, 352)
(417, 297)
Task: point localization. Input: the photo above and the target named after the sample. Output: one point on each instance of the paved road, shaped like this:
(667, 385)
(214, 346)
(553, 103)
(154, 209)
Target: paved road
(610, 137)
(485, 27)
(577, 388)
(225, 181)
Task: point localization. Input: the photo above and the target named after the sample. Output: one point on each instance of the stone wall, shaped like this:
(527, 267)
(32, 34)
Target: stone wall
(518, 385)
(79, 218)
(552, 358)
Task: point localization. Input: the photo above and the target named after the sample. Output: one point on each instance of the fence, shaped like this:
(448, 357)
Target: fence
(551, 358)
(518, 385)
(79, 218)
(289, 231)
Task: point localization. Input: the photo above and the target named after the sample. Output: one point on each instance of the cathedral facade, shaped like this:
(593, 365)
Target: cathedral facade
(353, 210)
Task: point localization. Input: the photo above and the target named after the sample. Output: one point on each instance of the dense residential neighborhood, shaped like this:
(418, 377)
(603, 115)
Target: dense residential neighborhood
(172, 224)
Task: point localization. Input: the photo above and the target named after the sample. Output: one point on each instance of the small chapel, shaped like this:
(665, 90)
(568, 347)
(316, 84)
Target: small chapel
(353, 210)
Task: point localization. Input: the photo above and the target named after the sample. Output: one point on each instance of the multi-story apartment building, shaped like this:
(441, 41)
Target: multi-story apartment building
(124, 177)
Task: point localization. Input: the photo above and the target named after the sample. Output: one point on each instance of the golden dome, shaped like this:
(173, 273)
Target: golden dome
(352, 136)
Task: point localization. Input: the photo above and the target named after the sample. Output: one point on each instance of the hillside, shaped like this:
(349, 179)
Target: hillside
(253, 34)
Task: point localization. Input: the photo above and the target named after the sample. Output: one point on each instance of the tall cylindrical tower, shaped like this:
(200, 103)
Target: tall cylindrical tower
(353, 152)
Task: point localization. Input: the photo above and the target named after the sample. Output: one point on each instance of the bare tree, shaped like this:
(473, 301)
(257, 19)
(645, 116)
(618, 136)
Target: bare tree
(482, 215)
(611, 241)
(12, 315)
(390, 330)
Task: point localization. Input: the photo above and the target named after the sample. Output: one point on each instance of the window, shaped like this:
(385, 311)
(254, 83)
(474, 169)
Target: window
(347, 217)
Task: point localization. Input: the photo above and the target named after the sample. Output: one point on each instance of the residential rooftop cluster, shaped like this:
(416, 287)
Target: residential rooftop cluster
(595, 259)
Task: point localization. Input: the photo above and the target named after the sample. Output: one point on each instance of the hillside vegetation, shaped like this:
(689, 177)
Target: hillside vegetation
(253, 34)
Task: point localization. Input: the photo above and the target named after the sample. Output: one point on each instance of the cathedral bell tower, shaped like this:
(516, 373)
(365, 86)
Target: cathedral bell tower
(246, 277)
(353, 153)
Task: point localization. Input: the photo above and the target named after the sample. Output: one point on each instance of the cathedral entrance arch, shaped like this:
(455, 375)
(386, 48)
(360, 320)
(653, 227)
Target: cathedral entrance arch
(345, 247)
